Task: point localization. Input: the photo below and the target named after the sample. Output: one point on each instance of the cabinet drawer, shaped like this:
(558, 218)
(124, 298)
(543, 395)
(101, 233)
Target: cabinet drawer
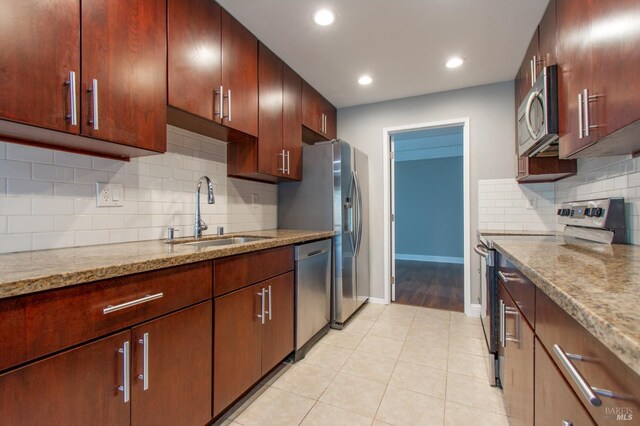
(232, 273)
(599, 367)
(520, 288)
(35, 325)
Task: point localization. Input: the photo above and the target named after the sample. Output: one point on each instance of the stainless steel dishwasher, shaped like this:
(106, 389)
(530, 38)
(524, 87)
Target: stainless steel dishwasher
(313, 294)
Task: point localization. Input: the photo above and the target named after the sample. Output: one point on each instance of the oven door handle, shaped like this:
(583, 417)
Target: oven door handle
(481, 250)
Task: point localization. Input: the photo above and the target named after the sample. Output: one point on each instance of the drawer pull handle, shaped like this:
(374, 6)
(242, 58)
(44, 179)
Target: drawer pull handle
(145, 361)
(269, 302)
(125, 305)
(503, 277)
(584, 387)
(262, 311)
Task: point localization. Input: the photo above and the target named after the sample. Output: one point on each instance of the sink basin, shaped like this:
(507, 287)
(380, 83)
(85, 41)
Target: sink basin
(225, 241)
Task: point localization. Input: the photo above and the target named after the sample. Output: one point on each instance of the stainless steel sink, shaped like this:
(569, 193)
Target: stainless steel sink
(225, 241)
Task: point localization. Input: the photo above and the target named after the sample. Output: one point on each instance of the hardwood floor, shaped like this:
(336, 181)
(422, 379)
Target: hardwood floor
(430, 285)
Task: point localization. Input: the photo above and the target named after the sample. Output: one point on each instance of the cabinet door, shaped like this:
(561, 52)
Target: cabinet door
(292, 121)
(518, 364)
(194, 58)
(124, 50)
(77, 387)
(555, 402)
(330, 120)
(574, 66)
(614, 41)
(311, 108)
(39, 47)
(178, 367)
(277, 339)
(270, 155)
(236, 345)
(547, 37)
(524, 79)
(239, 76)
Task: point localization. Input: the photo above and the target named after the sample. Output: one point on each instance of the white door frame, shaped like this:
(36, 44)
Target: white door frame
(469, 308)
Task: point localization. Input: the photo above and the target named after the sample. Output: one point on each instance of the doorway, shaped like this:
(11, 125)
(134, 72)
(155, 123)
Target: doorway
(427, 207)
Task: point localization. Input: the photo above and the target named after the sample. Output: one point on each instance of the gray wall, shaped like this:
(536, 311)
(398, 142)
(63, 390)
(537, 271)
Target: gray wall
(429, 215)
(491, 114)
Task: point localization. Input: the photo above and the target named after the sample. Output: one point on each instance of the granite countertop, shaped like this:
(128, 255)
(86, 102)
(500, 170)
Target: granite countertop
(597, 284)
(33, 271)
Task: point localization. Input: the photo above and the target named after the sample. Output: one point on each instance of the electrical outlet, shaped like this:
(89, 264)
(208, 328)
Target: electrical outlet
(255, 200)
(109, 194)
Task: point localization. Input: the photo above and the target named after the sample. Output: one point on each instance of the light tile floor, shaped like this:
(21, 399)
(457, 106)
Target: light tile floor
(392, 365)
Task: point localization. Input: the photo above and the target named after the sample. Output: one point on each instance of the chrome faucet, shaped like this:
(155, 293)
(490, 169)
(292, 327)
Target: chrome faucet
(199, 224)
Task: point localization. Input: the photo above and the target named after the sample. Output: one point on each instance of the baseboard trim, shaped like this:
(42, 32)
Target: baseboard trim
(425, 258)
(474, 310)
(377, 301)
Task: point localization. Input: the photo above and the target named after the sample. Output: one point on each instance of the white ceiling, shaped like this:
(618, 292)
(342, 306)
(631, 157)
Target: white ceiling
(402, 44)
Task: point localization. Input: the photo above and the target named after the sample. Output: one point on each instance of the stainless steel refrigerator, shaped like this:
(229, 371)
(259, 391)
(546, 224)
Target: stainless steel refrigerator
(333, 195)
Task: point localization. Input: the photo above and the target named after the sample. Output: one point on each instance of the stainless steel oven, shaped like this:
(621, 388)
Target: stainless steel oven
(538, 117)
(489, 297)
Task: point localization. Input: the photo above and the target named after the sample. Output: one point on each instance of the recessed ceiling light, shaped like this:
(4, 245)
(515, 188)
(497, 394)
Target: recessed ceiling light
(324, 17)
(454, 62)
(365, 80)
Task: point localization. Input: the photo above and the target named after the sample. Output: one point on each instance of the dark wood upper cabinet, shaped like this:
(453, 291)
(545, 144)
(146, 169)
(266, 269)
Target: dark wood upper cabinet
(271, 156)
(292, 122)
(124, 52)
(547, 41)
(77, 387)
(319, 117)
(179, 368)
(120, 46)
(524, 79)
(599, 62)
(239, 76)
(194, 56)
(33, 78)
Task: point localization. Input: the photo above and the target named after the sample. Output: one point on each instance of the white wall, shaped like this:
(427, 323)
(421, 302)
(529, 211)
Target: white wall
(48, 198)
(490, 110)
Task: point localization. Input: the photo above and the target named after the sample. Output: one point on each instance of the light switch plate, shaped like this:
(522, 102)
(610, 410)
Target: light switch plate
(255, 200)
(531, 203)
(109, 194)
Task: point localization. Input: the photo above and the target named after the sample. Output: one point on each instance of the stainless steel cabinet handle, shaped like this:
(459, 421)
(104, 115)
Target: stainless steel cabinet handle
(503, 277)
(94, 94)
(261, 316)
(269, 303)
(584, 387)
(503, 337)
(533, 70)
(228, 116)
(567, 423)
(126, 367)
(586, 98)
(148, 298)
(515, 337)
(288, 162)
(220, 103)
(580, 124)
(73, 113)
(281, 169)
(145, 361)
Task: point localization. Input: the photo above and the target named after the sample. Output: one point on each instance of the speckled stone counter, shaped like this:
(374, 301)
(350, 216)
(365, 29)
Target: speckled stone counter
(30, 272)
(598, 285)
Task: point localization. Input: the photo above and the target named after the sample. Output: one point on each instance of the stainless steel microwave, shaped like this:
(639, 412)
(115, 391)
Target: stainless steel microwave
(538, 117)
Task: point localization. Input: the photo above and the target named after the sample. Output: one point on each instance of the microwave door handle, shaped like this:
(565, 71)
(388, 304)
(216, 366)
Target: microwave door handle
(527, 115)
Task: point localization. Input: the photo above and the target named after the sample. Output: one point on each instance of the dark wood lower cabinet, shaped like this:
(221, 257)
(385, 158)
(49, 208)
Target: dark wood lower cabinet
(236, 345)
(518, 379)
(179, 369)
(77, 387)
(556, 404)
(277, 338)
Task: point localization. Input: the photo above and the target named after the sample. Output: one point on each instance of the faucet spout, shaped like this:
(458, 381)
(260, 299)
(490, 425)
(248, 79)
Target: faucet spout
(199, 224)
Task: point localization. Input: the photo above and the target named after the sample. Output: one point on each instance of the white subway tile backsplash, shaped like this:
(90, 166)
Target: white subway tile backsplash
(28, 153)
(158, 192)
(15, 169)
(29, 188)
(50, 240)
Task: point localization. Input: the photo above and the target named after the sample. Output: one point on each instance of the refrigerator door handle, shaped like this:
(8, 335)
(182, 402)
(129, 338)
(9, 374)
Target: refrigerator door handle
(352, 220)
(358, 236)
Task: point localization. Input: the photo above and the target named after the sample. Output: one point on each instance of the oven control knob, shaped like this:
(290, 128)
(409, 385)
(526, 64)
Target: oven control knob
(565, 212)
(572, 212)
(597, 213)
(587, 212)
(559, 212)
